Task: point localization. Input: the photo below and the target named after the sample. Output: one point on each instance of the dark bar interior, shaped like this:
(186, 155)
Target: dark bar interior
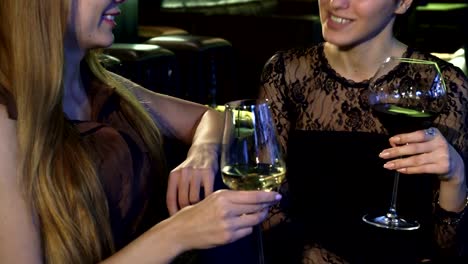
(214, 51)
(220, 46)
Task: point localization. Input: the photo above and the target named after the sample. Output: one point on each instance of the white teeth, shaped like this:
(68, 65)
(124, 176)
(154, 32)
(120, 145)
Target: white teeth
(109, 17)
(339, 19)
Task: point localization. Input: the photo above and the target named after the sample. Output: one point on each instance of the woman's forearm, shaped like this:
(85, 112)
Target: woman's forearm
(158, 245)
(210, 129)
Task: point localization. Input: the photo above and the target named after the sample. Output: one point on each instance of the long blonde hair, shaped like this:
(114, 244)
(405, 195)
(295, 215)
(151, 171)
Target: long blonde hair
(58, 175)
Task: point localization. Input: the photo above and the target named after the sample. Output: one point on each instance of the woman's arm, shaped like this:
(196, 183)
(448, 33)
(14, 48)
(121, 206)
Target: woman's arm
(196, 125)
(19, 235)
(223, 217)
(441, 151)
(190, 122)
(453, 187)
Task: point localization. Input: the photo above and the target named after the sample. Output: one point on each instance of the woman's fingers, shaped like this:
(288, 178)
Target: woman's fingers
(405, 150)
(249, 209)
(171, 195)
(417, 164)
(419, 142)
(252, 197)
(415, 137)
(428, 168)
(423, 151)
(195, 180)
(208, 182)
(235, 203)
(436, 162)
(225, 216)
(183, 188)
(251, 219)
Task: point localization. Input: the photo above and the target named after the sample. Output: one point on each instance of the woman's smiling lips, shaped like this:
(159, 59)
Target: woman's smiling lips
(336, 22)
(109, 18)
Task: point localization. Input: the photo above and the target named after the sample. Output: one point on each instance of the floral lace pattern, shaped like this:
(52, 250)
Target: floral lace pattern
(307, 94)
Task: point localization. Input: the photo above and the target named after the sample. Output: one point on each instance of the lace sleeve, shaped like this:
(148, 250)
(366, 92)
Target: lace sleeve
(453, 124)
(453, 119)
(446, 229)
(273, 88)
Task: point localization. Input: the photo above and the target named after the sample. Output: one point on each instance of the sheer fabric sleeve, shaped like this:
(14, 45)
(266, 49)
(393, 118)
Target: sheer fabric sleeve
(453, 123)
(273, 88)
(453, 120)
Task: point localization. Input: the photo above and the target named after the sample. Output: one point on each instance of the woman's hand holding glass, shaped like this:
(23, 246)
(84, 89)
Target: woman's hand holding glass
(222, 217)
(406, 95)
(251, 157)
(424, 151)
(195, 173)
(428, 152)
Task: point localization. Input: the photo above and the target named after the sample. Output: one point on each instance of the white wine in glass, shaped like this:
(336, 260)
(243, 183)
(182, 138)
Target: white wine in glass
(251, 157)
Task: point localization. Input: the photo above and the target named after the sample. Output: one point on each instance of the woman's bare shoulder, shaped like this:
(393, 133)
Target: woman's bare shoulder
(19, 239)
(7, 131)
(8, 147)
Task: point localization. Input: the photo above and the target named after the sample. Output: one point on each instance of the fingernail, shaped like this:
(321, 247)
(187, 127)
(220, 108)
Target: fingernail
(396, 139)
(384, 154)
(278, 197)
(389, 165)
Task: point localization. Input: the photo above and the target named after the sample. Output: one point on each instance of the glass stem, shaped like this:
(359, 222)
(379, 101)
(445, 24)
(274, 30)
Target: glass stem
(261, 259)
(392, 210)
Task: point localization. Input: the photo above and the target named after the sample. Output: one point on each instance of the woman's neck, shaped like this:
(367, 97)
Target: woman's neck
(359, 63)
(75, 100)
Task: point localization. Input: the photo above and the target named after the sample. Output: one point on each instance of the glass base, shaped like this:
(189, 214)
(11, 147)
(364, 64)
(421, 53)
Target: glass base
(391, 222)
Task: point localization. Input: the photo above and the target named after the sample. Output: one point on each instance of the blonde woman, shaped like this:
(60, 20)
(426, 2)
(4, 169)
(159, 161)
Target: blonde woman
(83, 178)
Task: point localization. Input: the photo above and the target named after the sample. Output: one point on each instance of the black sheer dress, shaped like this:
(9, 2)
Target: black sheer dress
(334, 174)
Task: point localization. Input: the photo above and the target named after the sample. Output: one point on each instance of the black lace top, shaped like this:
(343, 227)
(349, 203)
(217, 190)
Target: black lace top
(332, 141)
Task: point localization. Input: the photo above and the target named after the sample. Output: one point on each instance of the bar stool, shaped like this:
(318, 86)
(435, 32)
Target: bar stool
(206, 66)
(151, 66)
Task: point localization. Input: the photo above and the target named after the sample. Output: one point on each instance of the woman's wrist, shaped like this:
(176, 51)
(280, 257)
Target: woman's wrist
(212, 148)
(162, 242)
(456, 169)
(448, 217)
(157, 245)
(206, 154)
(453, 190)
(452, 197)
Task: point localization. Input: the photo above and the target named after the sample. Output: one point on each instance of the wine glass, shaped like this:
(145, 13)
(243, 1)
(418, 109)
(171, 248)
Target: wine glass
(406, 95)
(251, 157)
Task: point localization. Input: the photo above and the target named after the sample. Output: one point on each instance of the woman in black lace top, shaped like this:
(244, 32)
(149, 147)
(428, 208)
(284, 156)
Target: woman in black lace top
(336, 147)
